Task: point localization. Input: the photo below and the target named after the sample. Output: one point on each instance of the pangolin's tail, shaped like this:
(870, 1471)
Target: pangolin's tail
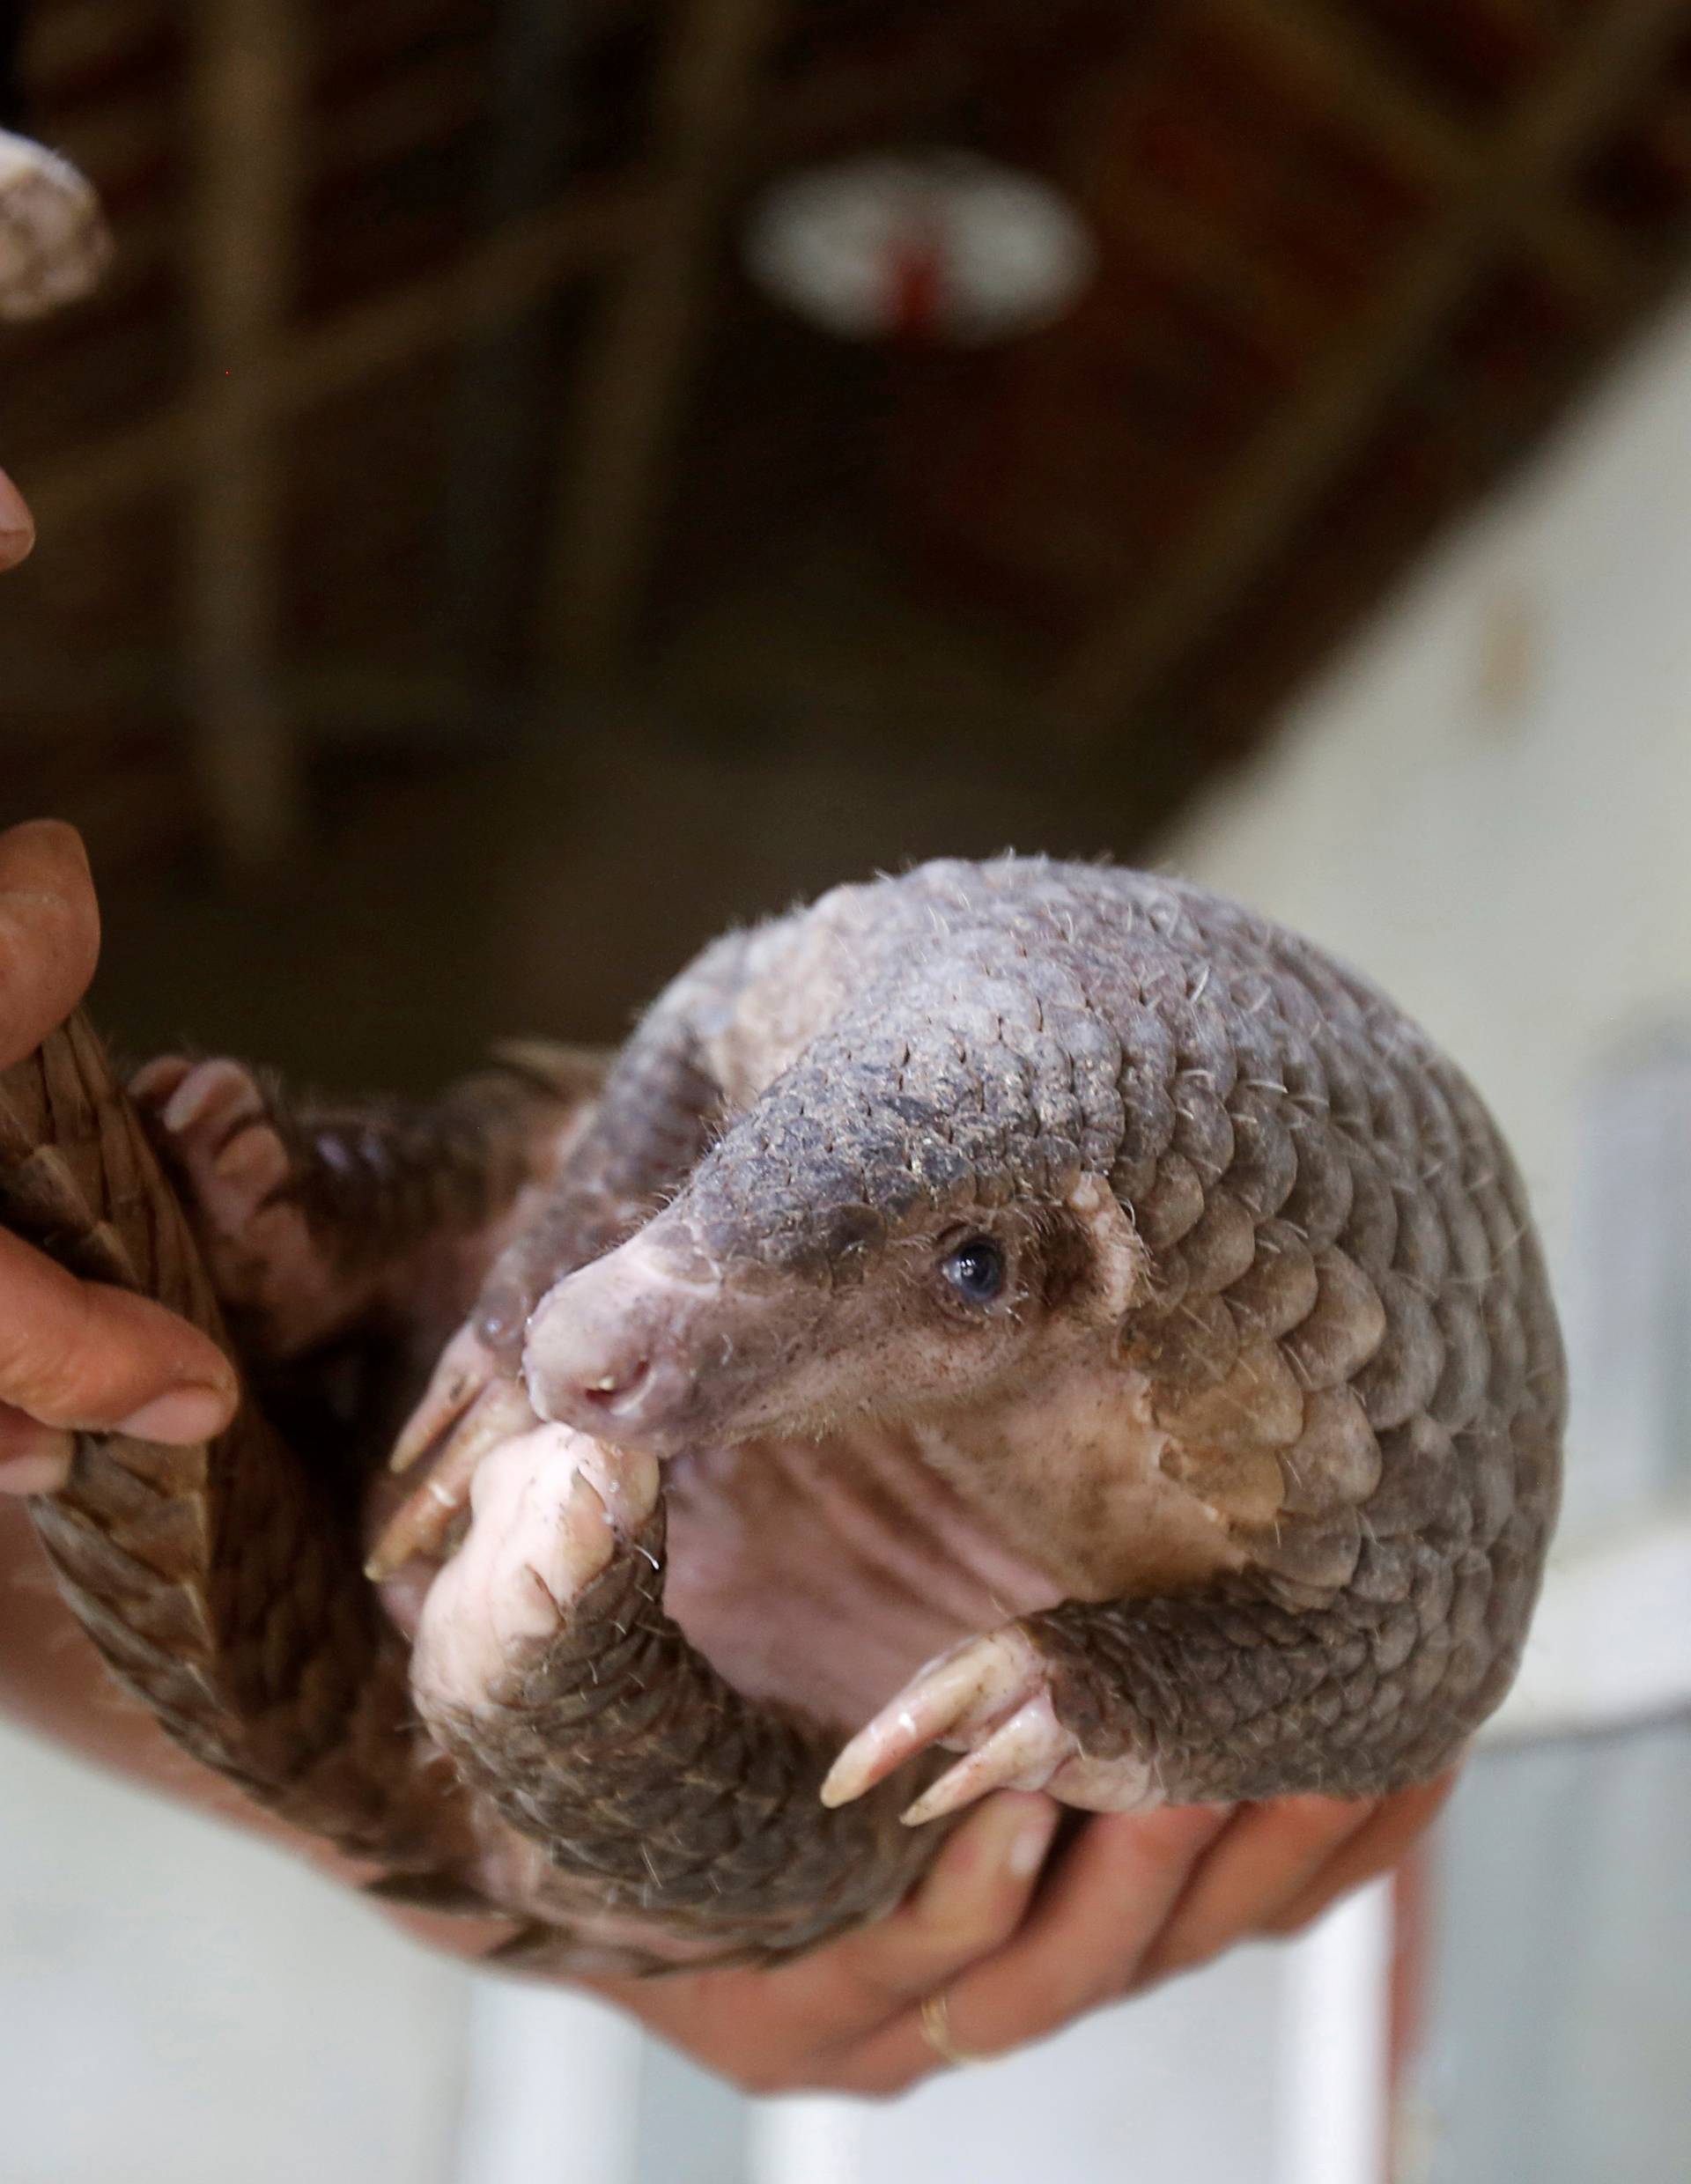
(216, 1580)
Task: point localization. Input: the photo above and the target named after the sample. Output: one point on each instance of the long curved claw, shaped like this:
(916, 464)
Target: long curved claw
(465, 1369)
(990, 1699)
(974, 1684)
(424, 1521)
(1024, 1752)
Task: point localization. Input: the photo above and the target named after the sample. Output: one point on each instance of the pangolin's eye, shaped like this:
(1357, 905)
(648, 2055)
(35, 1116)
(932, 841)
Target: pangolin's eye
(975, 1269)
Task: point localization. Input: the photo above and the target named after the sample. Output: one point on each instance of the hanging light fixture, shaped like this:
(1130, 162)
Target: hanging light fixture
(54, 241)
(941, 246)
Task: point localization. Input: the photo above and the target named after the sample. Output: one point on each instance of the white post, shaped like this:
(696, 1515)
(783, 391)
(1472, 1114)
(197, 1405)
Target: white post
(812, 2139)
(551, 2085)
(1335, 2075)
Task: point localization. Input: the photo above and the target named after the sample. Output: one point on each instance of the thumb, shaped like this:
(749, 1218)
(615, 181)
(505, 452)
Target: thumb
(17, 525)
(83, 1354)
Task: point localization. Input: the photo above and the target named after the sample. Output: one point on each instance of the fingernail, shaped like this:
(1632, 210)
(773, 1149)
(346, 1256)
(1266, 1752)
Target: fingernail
(183, 1414)
(1005, 1839)
(1027, 1851)
(44, 1470)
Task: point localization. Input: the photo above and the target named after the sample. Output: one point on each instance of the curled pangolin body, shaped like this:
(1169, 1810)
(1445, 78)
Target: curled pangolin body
(1334, 1332)
(1339, 1352)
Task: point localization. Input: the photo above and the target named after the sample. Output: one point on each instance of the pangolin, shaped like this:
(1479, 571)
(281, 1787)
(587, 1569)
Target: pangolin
(1017, 1323)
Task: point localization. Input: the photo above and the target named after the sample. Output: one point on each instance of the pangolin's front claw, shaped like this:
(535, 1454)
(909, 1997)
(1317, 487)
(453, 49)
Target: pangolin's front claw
(466, 1369)
(470, 1408)
(551, 1509)
(424, 1520)
(989, 1698)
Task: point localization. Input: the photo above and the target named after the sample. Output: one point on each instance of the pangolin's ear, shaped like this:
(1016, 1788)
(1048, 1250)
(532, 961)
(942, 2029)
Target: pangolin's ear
(1121, 1265)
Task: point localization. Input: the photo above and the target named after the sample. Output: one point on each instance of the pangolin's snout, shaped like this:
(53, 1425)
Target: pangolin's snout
(615, 1350)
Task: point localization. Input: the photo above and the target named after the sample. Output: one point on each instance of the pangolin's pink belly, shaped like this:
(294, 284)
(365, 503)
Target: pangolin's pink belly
(820, 1574)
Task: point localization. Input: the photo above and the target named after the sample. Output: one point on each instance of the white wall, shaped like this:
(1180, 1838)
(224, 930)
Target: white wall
(1487, 804)
(181, 2005)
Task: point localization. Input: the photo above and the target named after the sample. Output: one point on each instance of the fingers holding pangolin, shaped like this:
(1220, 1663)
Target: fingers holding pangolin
(808, 2024)
(1101, 1909)
(1135, 1897)
(1375, 1848)
(81, 1355)
(970, 1902)
(1265, 1858)
(75, 1354)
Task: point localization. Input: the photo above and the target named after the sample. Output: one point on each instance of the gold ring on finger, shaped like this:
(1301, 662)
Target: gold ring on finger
(935, 2013)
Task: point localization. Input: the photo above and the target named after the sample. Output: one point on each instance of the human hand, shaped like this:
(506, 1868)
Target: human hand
(74, 1353)
(17, 525)
(1131, 1900)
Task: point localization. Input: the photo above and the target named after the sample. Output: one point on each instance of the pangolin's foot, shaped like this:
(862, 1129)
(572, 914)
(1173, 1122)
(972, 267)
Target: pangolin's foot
(989, 1698)
(470, 1407)
(216, 1129)
(550, 1508)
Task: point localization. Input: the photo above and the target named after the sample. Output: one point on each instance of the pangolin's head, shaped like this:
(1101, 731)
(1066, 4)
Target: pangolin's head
(896, 1228)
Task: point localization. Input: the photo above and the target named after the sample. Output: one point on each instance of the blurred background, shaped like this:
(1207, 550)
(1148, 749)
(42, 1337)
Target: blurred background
(542, 479)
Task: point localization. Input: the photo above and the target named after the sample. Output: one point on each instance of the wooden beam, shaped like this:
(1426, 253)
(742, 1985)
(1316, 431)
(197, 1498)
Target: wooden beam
(246, 117)
(73, 36)
(494, 282)
(641, 358)
(1306, 446)
(1346, 60)
(336, 696)
(503, 410)
(419, 110)
(1200, 255)
(598, 222)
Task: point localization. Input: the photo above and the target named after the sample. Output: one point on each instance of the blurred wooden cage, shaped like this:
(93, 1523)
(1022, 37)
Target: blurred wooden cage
(425, 398)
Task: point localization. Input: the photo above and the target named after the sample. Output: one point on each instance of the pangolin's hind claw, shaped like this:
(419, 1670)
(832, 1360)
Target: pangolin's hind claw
(938, 1706)
(1024, 1752)
(989, 1698)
